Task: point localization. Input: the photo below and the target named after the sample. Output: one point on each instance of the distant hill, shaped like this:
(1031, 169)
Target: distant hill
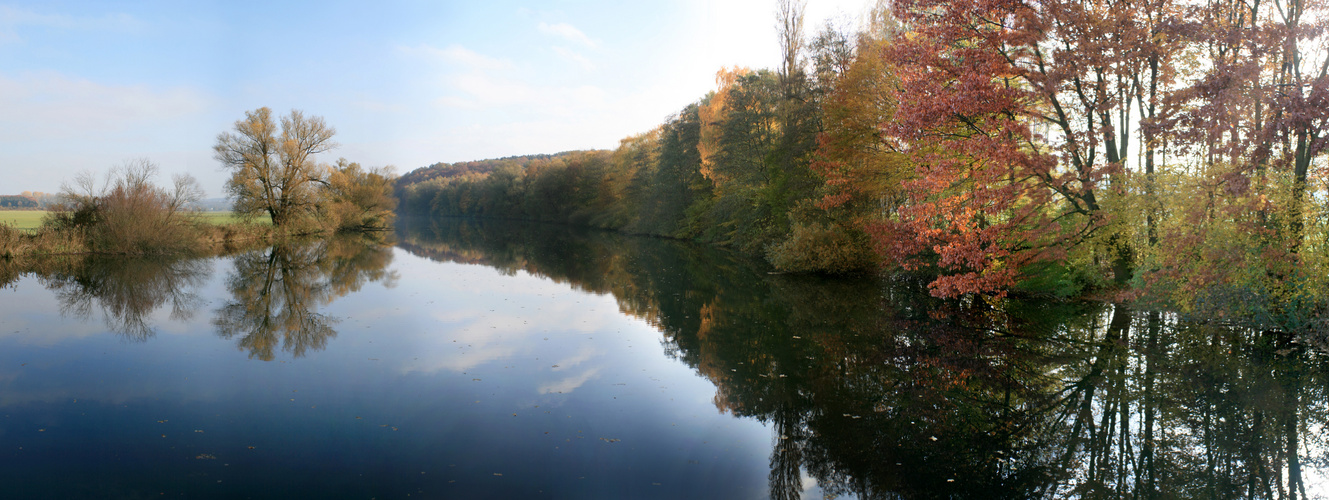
(458, 169)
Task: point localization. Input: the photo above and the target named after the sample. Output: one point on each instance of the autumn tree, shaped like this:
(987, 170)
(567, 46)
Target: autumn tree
(861, 175)
(274, 171)
(1035, 101)
(357, 198)
(1261, 106)
(1244, 129)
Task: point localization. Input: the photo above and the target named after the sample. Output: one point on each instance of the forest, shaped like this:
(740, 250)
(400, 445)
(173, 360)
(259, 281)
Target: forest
(1167, 153)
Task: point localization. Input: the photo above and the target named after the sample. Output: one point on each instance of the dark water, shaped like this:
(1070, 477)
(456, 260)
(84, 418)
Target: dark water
(528, 361)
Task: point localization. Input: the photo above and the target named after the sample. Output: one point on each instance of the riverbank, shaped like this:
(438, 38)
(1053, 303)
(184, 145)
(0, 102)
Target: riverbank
(202, 236)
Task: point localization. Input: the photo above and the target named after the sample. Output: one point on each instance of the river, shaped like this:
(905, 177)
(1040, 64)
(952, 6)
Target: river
(499, 360)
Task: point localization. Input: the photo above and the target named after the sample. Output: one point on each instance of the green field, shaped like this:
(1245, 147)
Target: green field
(22, 219)
(32, 219)
(228, 218)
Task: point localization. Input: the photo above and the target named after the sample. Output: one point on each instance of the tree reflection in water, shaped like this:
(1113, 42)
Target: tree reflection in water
(875, 389)
(276, 293)
(127, 290)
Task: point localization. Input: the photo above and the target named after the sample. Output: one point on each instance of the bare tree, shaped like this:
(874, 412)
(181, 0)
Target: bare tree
(789, 25)
(274, 173)
(128, 213)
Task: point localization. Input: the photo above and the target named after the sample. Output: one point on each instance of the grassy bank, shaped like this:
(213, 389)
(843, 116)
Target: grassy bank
(31, 220)
(23, 235)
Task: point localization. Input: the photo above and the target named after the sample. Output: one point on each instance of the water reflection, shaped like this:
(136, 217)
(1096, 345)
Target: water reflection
(127, 291)
(875, 390)
(276, 293)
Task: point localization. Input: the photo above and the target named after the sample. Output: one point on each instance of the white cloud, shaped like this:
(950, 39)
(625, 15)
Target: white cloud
(479, 90)
(567, 31)
(569, 384)
(586, 353)
(491, 90)
(51, 106)
(458, 55)
(570, 55)
(11, 19)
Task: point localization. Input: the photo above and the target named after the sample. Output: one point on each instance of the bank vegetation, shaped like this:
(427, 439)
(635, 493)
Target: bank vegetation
(1169, 153)
(275, 177)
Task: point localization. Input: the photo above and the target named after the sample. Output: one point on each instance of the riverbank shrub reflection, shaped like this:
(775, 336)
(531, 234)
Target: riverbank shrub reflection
(127, 291)
(275, 293)
(876, 389)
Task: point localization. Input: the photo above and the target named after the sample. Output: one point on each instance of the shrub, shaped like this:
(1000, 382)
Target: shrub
(129, 214)
(817, 248)
(357, 199)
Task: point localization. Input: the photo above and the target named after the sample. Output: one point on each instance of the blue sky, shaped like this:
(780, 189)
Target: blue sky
(85, 86)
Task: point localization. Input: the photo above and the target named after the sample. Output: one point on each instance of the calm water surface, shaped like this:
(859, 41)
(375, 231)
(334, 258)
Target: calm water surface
(527, 361)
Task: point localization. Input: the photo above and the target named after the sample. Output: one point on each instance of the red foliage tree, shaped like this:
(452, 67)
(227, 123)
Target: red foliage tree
(1018, 114)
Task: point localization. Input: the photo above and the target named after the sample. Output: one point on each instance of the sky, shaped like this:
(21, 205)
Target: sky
(87, 86)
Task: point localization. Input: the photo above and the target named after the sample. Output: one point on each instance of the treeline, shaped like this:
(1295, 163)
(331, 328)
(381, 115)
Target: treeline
(710, 173)
(1170, 151)
(478, 167)
(28, 200)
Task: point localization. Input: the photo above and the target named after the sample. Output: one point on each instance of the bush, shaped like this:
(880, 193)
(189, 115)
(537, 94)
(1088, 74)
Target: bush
(9, 241)
(129, 214)
(358, 199)
(1050, 279)
(817, 248)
